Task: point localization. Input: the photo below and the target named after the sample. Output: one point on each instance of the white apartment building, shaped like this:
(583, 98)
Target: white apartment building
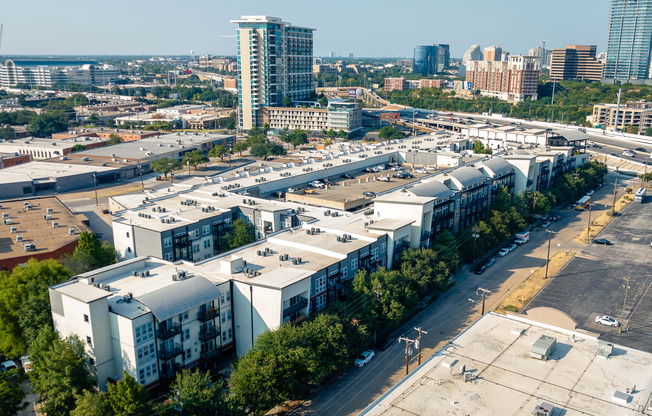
(52, 73)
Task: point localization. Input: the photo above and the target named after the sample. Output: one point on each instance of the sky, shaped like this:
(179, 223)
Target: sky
(366, 28)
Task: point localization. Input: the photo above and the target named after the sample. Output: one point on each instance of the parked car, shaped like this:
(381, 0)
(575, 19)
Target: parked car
(403, 175)
(346, 176)
(364, 358)
(503, 252)
(545, 224)
(641, 149)
(316, 184)
(607, 320)
(7, 365)
(26, 362)
(602, 241)
(293, 190)
(397, 168)
(511, 247)
(431, 168)
(384, 178)
(420, 170)
(520, 241)
(480, 269)
(490, 262)
(590, 193)
(328, 182)
(369, 194)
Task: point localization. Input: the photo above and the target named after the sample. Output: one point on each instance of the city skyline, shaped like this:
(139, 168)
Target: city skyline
(363, 28)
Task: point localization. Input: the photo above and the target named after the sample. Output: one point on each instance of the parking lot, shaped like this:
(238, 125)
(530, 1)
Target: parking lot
(595, 282)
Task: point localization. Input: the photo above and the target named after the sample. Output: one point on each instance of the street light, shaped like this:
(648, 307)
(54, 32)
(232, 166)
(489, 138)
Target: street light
(140, 170)
(550, 233)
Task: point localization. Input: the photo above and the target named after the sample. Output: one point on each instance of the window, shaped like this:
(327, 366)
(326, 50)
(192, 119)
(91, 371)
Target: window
(169, 256)
(193, 234)
(195, 248)
(344, 272)
(383, 248)
(184, 316)
(320, 302)
(223, 317)
(128, 249)
(141, 376)
(354, 265)
(85, 318)
(224, 336)
(206, 229)
(222, 299)
(230, 333)
(188, 354)
(127, 234)
(228, 296)
(91, 361)
(186, 334)
(167, 242)
(320, 284)
(89, 341)
(259, 221)
(374, 254)
(207, 243)
(228, 315)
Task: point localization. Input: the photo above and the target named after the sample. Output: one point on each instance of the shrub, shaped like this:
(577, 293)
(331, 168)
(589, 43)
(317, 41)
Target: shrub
(511, 308)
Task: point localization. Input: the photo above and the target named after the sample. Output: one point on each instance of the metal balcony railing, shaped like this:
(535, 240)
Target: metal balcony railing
(167, 354)
(208, 314)
(303, 302)
(167, 331)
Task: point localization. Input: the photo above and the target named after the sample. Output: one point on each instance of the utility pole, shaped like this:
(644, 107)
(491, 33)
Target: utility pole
(476, 235)
(378, 293)
(418, 344)
(617, 110)
(534, 205)
(179, 405)
(97, 202)
(408, 341)
(140, 170)
(550, 233)
(622, 314)
(484, 296)
(588, 230)
(613, 207)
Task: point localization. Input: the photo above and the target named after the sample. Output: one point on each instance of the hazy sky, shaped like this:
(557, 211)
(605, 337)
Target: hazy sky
(363, 27)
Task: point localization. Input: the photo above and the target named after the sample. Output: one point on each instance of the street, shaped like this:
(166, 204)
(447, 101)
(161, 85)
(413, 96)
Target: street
(354, 389)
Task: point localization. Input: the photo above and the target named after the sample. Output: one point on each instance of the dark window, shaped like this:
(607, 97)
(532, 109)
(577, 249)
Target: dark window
(85, 318)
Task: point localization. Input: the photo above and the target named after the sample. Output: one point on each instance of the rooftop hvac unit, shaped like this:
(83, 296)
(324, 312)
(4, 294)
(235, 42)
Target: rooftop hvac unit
(5, 215)
(71, 231)
(30, 247)
(48, 210)
(6, 221)
(55, 224)
(13, 229)
(19, 238)
(47, 217)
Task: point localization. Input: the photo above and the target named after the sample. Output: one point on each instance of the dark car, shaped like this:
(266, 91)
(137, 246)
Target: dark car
(480, 269)
(346, 176)
(603, 241)
(613, 154)
(641, 149)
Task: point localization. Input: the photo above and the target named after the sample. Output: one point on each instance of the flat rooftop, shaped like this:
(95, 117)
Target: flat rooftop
(507, 381)
(34, 229)
(46, 170)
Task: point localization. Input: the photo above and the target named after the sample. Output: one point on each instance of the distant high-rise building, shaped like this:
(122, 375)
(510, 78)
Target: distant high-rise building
(274, 62)
(513, 80)
(630, 40)
(350, 55)
(431, 59)
(331, 55)
(544, 55)
(55, 73)
(474, 53)
(493, 53)
(576, 62)
(504, 56)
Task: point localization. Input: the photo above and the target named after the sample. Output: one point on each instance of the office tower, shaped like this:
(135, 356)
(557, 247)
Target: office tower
(630, 39)
(431, 59)
(331, 55)
(544, 55)
(474, 53)
(493, 53)
(576, 62)
(350, 55)
(274, 62)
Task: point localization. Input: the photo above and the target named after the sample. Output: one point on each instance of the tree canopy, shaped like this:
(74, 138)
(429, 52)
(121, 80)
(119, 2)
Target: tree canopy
(194, 158)
(219, 151)
(11, 394)
(266, 149)
(165, 165)
(390, 133)
(241, 233)
(90, 254)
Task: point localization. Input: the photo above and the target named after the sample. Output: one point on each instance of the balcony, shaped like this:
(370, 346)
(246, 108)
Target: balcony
(302, 303)
(206, 335)
(165, 332)
(169, 374)
(210, 354)
(208, 314)
(168, 354)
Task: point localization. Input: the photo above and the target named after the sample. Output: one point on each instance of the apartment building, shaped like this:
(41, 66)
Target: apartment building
(147, 317)
(274, 62)
(52, 73)
(492, 54)
(513, 80)
(474, 53)
(576, 62)
(339, 115)
(637, 114)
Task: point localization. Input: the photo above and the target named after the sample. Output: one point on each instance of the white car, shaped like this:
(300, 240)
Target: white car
(316, 184)
(503, 252)
(420, 170)
(606, 320)
(589, 193)
(430, 168)
(293, 190)
(545, 224)
(7, 365)
(511, 247)
(364, 358)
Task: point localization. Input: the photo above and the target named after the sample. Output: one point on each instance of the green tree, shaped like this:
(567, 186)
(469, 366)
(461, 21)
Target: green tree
(78, 148)
(323, 101)
(341, 134)
(199, 395)
(127, 397)
(331, 134)
(390, 133)
(195, 158)
(113, 139)
(165, 165)
(90, 254)
(266, 150)
(478, 147)
(11, 394)
(265, 129)
(219, 151)
(298, 137)
(46, 124)
(240, 147)
(287, 102)
(648, 131)
(647, 176)
(26, 285)
(241, 233)
(59, 371)
(285, 136)
(7, 133)
(92, 403)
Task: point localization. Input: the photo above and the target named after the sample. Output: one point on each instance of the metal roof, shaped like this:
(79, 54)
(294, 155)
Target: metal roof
(497, 165)
(467, 176)
(432, 189)
(571, 135)
(179, 297)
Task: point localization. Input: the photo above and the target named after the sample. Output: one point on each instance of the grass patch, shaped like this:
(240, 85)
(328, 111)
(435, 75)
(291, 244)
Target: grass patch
(599, 223)
(531, 286)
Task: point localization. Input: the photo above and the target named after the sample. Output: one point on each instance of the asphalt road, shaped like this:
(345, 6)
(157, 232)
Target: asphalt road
(595, 284)
(355, 388)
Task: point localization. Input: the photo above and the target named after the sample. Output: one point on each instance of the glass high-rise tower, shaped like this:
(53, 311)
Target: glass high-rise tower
(630, 40)
(274, 62)
(431, 59)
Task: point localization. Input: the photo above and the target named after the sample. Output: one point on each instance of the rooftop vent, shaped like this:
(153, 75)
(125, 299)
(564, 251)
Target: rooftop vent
(55, 224)
(19, 238)
(30, 247)
(13, 229)
(71, 231)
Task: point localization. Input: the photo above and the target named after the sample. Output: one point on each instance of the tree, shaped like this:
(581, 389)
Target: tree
(199, 395)
(285, 136)
(26, 285)
(11, 394)
(59, 371)
(240, 147)
(323, 101)
(113, 139)
(165, 165)
(127, 397)
(78, 148)
(266, 150)
(287, 102)
(478, 147)
(92, 120)
(331, 134)
(90, 254)
(46, 124)
(648, 131)
(390, 133)
(647, 176)
(241, 233)
(298, 137)
(91, 403)
(195, 158)
(341, 134)
(219, 151)
(265, 128)
(7, 133)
